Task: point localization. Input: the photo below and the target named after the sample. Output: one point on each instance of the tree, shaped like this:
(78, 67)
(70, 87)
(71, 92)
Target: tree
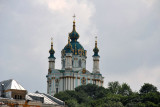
(125, 89)
(135, 105)
(72, 103)
(116, 95)
(92, 90)
(152, 97)
(146, 88)
(62, 96)
(113, 104)
(150, 104)
(114, 87)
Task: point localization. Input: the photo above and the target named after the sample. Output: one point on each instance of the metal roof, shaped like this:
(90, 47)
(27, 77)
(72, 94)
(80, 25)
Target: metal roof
(11, 84)
(44, 98)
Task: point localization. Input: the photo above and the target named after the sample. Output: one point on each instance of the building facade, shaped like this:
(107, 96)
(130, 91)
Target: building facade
(11, 89)
(73, 72)
(12, 94)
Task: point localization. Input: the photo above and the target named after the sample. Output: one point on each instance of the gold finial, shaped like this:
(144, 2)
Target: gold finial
(51, 43)
(96, 41)
(74, 22)
(74, 16)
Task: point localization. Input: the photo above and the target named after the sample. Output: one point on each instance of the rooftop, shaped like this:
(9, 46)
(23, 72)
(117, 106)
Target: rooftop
(10, 84)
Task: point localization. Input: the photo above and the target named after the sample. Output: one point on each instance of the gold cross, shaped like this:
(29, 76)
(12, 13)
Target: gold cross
(51, 40)
(96, 38)
(74, 16)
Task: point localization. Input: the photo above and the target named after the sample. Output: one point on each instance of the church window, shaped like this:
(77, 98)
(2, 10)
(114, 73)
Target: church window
(72, 63)
(15, 97)
(79, 63)
(56, 90)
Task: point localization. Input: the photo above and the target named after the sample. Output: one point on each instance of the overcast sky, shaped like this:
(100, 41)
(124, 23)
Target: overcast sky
(128, 38)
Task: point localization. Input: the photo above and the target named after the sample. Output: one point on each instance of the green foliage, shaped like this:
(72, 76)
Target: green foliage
(125, 89)
(116, 95)
(113, 104)
(92, 90)
(72, 103)
(150, 104)
(135, 105)
(152, 96)
(114, 87)
(146, 88)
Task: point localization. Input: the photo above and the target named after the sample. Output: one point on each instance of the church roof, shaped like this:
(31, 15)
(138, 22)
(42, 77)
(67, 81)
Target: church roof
(76, 47)
(10, 84)
(44, 98)
(74, 35)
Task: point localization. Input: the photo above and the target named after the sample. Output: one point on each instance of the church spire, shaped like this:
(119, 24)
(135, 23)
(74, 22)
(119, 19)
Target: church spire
(51, 51)
(69, 46)
(96, 58)
(74, 26)
(74, 35)
(96, 50)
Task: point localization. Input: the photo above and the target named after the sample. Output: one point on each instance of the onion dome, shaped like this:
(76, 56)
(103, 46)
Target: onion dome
(51, 51)
(76, 47)
(68, 46)
(74, 35)
(96, 50)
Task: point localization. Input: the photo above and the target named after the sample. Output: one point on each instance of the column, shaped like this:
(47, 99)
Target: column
(69, 83)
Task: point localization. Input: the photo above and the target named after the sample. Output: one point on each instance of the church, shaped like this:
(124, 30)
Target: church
(73, 72)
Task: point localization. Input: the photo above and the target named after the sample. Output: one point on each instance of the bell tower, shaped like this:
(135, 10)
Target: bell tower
(68, 59)
(96, 58)
(51, 57)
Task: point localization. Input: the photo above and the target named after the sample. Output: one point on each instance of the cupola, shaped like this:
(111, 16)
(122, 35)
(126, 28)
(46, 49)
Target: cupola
(68, 46)
(74, 35)
(96, 50)
(51, 51)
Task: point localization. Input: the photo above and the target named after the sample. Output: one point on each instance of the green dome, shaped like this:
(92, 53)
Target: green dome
(74, 35)
(96, 50)
(75, 47)
(51, 51)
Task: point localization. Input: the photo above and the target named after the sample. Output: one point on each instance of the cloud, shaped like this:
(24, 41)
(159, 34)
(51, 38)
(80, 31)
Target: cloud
(128, 38)
(149, 3)
(137, 77)
(27, 27)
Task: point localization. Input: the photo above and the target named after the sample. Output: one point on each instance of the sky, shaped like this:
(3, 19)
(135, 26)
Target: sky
(128, 34)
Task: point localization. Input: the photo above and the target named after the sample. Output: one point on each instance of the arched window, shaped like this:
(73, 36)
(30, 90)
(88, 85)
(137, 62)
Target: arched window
(80, 63)
(15, 96)
(20, 97)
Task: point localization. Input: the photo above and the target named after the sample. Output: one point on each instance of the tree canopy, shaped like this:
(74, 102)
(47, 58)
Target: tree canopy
(116, 95)
(146, 88)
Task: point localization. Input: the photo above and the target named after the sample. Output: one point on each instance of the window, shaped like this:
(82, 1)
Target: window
(72, 62)
(80, 63)
(20, 97)
(56, 90)
(15, 96)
